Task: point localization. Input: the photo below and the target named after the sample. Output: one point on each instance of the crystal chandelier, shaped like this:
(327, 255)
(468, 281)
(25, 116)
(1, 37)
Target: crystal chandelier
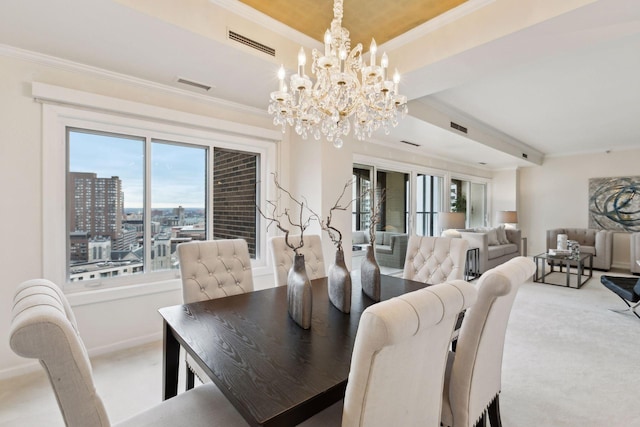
(347, 92)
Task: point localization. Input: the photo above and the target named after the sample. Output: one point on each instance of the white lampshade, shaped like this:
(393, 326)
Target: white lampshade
(507, 217)
(451, 220)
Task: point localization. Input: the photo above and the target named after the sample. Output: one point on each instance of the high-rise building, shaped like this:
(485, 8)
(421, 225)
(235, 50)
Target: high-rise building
(95, 205)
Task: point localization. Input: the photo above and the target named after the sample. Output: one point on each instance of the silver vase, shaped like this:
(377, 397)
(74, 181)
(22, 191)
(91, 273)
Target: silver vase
(339, 286)
(299, 295)
(370, 275)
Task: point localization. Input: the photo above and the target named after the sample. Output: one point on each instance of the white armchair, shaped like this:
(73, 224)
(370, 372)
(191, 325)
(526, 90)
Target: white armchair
(598, 243)
(435, 260)
(474, 371)
(399, 359)
(282, 257)
(634, 240)
(44, 328)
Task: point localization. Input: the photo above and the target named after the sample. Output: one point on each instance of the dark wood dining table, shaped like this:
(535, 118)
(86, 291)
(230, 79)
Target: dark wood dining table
(273, 372)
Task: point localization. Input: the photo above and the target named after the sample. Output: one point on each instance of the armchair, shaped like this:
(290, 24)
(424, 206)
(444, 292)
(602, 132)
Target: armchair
(634, 240)
(599, 243)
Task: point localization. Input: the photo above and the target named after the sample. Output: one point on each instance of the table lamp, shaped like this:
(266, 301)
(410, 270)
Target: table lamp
(449, 222)
(508, 218)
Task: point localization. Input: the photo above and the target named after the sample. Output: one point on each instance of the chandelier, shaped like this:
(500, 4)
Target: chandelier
(348, 92)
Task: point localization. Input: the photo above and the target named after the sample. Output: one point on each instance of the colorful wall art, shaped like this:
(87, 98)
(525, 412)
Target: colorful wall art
(614, 203)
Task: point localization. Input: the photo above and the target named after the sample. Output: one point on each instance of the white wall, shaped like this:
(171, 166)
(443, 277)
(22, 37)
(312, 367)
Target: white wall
(556, 194)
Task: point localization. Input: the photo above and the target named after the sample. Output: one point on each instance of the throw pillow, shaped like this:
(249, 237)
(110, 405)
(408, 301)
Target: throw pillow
(502, 235)
(492, 235)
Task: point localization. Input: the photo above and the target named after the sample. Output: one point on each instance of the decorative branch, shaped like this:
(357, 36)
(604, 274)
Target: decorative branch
(375, 217)
(285, 220)
(334, 234)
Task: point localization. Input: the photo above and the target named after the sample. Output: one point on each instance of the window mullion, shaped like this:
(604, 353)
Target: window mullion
(147, 245)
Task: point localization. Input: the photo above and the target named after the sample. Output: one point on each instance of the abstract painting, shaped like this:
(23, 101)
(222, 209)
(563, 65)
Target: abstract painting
(614, 203)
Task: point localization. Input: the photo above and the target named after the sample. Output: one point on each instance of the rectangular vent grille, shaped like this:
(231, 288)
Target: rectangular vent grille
(251, 43)
(458, 127)
(410, 143)
(194, 84)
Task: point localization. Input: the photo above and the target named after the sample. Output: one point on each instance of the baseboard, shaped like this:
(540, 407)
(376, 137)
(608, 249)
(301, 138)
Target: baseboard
(34, 365)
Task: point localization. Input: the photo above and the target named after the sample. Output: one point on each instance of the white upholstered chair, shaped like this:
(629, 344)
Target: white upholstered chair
(43, 327)
(282, 257)
(435, 260)
(212, 269)
(399, 359)
(474, 371)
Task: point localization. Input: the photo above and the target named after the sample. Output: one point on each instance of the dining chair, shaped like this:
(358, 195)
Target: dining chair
(474, 372)
(435, 260)
(282, 257)
(43, 327)
(212, 269)
(399, 359)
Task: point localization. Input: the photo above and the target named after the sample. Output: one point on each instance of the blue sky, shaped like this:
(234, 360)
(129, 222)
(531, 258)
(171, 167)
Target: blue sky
(177, 171)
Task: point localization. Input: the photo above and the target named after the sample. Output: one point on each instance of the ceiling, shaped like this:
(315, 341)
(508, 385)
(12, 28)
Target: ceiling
(382, 20)
(562, 86)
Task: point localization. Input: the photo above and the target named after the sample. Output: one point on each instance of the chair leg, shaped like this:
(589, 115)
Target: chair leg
(190, 378)
(494, 413)
(632, 308)
(482, 422)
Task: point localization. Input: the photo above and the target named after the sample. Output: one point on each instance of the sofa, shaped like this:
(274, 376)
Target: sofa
(634, 240)
(391, 247)
(495, 245)
(598, 243)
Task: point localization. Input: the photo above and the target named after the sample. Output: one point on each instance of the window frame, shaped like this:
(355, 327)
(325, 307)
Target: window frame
(64, 108)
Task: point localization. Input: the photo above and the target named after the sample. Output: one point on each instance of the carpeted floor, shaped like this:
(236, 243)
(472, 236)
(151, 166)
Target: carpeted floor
(568, 361)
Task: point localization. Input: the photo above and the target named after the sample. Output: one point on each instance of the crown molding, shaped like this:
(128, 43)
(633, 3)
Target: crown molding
(433, 24)
(63, 64)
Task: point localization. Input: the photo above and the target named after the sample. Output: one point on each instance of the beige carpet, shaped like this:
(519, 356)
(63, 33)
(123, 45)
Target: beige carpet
(568, 361)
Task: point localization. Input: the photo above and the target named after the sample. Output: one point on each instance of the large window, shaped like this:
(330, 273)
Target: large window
(126, 182)
(113, 229)
(428, 203)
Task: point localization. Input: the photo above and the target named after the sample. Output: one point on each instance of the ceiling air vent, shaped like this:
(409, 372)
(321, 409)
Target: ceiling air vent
(458, 127)
(251, 43)
(193, 84)
(410, 143)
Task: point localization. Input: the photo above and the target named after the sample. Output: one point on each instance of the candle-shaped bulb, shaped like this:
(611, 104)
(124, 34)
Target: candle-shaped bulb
(327, 43)
(302, 59)
(281, 74)
(372, 50)
(342, 54)
(396, 80)
(384, 63)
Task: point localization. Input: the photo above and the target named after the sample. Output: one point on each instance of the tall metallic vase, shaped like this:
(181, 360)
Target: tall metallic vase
(340, 284)
(299, 294)
(370, 275)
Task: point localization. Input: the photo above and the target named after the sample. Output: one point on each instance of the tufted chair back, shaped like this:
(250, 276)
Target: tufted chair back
(435, 260)
(474, 380)
(399, 357)
(43, 327)
(282, 257)
(214, 269)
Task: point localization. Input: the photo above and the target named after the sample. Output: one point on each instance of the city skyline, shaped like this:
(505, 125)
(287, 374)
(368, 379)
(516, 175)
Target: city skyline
(177, 171)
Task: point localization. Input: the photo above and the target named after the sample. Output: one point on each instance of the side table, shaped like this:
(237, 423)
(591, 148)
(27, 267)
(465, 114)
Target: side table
(472, 265)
